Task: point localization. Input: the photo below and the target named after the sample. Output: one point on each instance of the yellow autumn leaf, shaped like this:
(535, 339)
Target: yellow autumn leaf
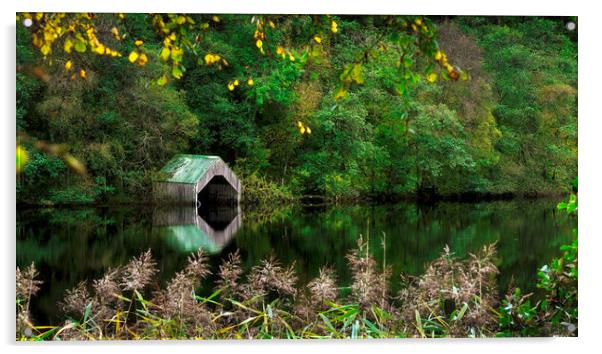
(250, 82)
(215, 19)
(443, 59)
(22, 158)
(165, 53)
(231, 86)
(211, 58)
(291, 57)
(438, 55)
(68, 65)
(68, 45)
(236, 82)
(115, 32)
(100, 49)
(74, 164)
(82, 73)
(133, 56)
(341, 93)
(299, 124)
(317, 39)
(176, 54)
(302, 130)
(432, 77)
(418, 21)
(271, 24)
(138, 43)
(308, 130)
(181, 20)
(259, 43)
(142, 59)
(333, 27)
(45, 49)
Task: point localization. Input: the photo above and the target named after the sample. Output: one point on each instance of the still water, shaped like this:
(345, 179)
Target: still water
(71, 245)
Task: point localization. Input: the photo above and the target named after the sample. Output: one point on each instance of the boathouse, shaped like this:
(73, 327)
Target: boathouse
(196, 180)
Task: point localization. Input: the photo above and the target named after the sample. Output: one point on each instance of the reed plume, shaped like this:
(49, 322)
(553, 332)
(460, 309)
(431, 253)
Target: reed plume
(138, 272)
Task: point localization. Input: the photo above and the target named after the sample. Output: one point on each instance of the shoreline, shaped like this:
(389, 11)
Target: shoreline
(319, 200)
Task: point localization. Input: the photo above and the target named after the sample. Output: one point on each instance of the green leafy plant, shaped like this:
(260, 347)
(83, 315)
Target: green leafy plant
(557, 312)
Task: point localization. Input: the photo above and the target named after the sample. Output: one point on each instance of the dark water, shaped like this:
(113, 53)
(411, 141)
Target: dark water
(70, 245)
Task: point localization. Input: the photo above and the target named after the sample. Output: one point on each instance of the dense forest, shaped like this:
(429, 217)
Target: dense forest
(302, 121)
(348, 110)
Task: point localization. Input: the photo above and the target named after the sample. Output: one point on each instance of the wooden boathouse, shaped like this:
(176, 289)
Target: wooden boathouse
(195, 180)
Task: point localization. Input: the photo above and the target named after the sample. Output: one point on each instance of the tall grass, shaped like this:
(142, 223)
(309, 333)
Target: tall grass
(453, 298)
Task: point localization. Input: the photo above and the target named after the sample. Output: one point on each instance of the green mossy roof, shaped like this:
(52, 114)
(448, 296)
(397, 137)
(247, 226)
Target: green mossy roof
(187, 168)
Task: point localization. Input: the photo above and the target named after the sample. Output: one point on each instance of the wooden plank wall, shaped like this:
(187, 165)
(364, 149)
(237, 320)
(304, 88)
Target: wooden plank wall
(175, 193)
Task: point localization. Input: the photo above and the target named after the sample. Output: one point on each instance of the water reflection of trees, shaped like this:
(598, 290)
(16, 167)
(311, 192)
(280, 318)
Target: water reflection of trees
(71, 245)
(413, 235)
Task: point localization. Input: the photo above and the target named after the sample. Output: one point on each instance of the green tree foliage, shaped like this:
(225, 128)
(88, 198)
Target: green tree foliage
(119, 126)
(534, 66)
(342, 106)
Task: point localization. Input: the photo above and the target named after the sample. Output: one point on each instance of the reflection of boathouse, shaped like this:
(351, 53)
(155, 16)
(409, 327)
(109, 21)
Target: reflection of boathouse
(188, 229)
(209, 190)
(196, 180)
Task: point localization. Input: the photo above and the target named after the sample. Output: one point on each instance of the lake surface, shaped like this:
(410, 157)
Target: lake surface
(71, 245)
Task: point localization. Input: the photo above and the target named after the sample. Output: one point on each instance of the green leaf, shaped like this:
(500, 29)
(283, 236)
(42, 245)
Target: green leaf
(462, 312)
(571, 208)
(46, 334)
(373, 329)
(329, 325)
(211, 297)
(177, 72)
(346, 73)
(354, 330)
(80, 46)
(162, 81)
(419, 324)
(87, 312)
